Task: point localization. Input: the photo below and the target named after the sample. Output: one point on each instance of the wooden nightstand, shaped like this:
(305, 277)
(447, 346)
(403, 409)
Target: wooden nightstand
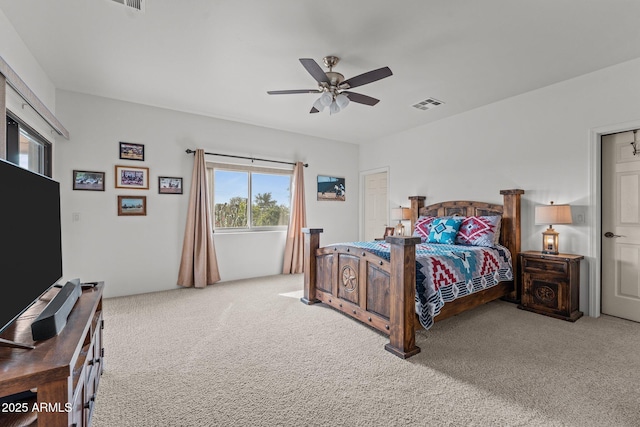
(550, 284)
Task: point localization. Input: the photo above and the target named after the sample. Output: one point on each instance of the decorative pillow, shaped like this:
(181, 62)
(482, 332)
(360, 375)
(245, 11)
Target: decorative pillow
(479, 231)
(423, 227)
(444, 230)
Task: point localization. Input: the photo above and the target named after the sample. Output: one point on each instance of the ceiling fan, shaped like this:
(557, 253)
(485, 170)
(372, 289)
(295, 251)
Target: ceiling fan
(334, 87)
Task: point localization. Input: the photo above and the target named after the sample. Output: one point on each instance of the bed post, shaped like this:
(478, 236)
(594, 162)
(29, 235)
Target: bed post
(311, 245)
(402, 295)
(511, 234)
(417, 202)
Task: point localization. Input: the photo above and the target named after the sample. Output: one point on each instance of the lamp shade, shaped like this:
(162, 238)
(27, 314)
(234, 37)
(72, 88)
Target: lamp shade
(318, 105)
(400, 214)
(342, 101)
(553, 214)
(326, 99)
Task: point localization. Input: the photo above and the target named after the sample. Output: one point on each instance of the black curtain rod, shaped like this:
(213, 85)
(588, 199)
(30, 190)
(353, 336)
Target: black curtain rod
(189, 151)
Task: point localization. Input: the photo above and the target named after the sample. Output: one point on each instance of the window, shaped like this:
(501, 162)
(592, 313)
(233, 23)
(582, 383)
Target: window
(249, 198)
(26, 148)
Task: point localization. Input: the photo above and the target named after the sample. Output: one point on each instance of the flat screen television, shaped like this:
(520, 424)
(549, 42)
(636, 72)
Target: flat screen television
(31, 255)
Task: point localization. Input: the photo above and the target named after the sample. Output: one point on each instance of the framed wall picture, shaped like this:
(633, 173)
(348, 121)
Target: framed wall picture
(331, 188)
(86, 180)
(169, 185)
(388, 231)
(132, 205)
(131, 151)
(132, 177)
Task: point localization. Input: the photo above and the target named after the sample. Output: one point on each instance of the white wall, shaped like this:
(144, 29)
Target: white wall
(141, 254)
(15, 53)
(538, 141)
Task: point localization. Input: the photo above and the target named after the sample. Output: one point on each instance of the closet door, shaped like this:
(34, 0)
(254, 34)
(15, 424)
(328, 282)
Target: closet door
(620, 227)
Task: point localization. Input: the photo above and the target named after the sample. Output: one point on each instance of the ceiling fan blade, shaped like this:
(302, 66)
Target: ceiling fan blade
(286, 92)
(360, 98)
(365, 78)
(315, 70)
(314, 110)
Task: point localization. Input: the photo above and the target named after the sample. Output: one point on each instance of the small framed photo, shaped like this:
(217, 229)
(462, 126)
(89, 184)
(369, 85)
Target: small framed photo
(388, 231)
(131, 151)
(85, 180)
(132, 177)
(169, 185)
(132, 205)
(331, 188)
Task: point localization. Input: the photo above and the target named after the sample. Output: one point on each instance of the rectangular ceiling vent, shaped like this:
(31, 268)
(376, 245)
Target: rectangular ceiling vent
(428, 104)
(134, 4)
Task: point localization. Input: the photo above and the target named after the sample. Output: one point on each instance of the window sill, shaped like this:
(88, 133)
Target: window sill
(240, 231)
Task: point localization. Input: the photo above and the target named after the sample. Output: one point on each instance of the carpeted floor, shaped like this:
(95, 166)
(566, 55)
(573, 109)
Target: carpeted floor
(249, 353)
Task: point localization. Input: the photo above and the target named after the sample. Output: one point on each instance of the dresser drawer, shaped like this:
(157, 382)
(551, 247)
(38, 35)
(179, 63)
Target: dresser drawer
(543, 265)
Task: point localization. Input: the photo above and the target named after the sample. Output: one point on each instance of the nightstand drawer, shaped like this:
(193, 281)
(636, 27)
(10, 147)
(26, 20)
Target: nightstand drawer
(543, 265)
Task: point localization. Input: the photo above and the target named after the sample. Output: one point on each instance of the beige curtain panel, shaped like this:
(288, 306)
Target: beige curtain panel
(198, 266)
(293, 252)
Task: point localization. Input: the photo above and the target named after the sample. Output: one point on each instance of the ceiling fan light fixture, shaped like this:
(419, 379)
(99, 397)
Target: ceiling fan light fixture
(334, 108)
(326, 99)
(342, 101)
(318, 105)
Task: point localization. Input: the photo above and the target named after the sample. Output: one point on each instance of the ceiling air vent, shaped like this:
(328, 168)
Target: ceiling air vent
(134, 4)
(428, 104)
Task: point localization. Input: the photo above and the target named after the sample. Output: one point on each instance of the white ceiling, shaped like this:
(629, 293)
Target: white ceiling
(219, 58)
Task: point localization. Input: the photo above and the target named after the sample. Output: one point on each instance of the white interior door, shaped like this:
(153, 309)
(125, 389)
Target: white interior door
(376, 204)
(620, 227)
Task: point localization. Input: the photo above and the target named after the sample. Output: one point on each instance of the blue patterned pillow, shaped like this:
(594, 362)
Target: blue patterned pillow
(444, 230)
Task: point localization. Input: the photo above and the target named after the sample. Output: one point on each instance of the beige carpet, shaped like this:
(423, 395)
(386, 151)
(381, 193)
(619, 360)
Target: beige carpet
(249, 353)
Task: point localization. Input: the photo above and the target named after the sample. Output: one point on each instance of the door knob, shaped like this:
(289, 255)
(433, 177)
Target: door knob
(610, 235)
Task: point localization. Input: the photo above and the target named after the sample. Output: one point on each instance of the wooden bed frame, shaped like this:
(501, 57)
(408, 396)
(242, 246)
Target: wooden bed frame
(381, 293)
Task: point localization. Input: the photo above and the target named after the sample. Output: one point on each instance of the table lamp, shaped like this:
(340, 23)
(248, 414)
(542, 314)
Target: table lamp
(552, 214)
(400, 214)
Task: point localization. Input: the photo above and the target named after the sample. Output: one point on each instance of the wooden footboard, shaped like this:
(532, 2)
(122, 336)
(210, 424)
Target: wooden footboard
(365, 286)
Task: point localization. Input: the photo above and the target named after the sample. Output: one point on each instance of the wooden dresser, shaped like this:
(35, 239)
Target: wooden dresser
(64, 370)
